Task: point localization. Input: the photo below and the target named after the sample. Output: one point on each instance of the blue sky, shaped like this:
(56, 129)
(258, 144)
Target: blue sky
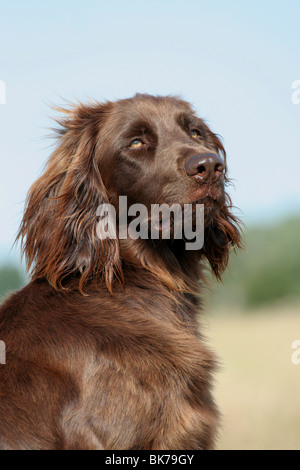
(235, 61)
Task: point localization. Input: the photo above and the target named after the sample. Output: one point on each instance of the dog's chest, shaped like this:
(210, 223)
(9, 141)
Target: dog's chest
(150, 383)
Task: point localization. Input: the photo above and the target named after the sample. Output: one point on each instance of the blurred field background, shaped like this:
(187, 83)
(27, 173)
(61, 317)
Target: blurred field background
(254, 317)
(258, 387)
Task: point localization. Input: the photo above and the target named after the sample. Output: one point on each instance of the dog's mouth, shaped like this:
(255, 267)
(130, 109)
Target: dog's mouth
(212, 198)
(209, 195)
(198, 214)
(174, 219)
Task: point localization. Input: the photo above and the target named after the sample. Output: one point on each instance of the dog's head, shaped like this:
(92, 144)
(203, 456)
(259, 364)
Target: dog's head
(153, 150)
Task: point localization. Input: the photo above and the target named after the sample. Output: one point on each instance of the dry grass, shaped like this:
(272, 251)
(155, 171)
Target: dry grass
(258, 387)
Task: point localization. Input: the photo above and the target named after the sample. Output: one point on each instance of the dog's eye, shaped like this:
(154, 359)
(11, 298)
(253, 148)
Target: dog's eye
(136, 143)
(195, 133)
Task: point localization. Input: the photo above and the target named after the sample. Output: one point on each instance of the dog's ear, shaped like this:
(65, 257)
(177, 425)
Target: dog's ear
(58, 230)
(221, 236)
(224, 232)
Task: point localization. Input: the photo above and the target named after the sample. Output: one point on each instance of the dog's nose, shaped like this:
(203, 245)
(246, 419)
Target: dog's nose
(206, 167)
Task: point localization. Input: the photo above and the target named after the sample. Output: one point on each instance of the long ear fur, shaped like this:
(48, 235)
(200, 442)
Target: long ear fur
(224, 232)
(58, 230)
(221, 236)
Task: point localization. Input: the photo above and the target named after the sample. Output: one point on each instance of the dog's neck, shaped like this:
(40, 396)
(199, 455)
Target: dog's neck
(165, 260)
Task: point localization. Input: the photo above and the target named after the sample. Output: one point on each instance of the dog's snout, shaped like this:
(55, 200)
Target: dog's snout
(205, 167)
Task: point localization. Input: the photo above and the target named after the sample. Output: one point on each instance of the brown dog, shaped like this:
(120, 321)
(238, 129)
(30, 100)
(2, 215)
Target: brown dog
(103, 348)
